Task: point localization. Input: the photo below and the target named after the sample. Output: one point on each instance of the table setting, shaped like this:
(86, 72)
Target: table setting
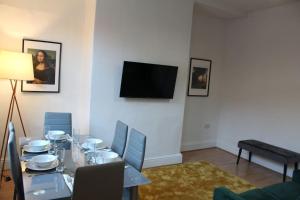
(46, 160)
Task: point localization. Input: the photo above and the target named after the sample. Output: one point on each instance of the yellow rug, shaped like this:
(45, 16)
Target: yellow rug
(189, 181)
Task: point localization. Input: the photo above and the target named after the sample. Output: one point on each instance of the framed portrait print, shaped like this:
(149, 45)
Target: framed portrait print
(46, 57)
(199, 77)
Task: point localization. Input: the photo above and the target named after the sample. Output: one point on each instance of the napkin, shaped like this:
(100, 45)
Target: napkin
(69, 181)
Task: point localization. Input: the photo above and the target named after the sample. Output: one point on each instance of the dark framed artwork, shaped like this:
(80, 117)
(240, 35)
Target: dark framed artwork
(46, 57)
(199, 77)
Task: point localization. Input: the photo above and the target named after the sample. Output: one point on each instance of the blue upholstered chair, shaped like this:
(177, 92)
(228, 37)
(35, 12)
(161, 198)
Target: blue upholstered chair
(58, 121)
(120, 138)
(15, 165)
(99, 182)
(136, 147)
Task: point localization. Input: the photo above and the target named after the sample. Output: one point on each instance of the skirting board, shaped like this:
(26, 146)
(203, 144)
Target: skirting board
(197, 145)
(163, 160)
(275, 166)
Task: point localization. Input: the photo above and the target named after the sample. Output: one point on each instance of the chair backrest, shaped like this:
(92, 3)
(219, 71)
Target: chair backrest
(14, 162)
(99, 182)
(136, 147)
(120, 138)
(11, 127)
(58, 121)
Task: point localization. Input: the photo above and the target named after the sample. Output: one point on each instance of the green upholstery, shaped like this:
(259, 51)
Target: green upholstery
(282, 191)
(296, 176)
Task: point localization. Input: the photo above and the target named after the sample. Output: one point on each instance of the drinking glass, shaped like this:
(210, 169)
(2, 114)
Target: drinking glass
(76, 136)
(53, 148)
(60, 153)
(75, 144)
(47, 128)
(92, 154)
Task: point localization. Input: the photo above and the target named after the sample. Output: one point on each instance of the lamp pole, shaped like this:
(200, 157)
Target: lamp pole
(13, 101)
(14, 66)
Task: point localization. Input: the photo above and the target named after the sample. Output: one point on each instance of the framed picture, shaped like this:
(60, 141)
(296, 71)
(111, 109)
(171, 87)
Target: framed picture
(46, 66)
(199, 77)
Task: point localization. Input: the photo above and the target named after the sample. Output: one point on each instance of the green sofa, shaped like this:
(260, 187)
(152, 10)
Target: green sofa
(282, 191)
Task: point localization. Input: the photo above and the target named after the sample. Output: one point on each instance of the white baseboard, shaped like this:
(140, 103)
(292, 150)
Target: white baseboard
(163, 160)
(197, 145)
(275, 166)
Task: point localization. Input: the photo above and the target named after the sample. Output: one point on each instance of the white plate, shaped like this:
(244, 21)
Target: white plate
(106, 157)
(29, 149)
(38, 145)
(63, 137)
(56, 135)
(32, 166)
(44, 160)
(87, 146)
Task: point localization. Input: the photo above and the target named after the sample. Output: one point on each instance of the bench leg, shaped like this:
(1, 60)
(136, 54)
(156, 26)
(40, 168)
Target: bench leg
(250, 156)
(284, 172)
(296, 165)
(239, 156)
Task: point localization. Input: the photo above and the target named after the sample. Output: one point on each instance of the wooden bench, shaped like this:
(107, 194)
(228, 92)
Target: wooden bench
(269, 151)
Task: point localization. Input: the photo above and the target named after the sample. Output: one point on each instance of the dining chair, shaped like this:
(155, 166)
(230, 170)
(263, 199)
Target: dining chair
(120, 138)
(11, 127)
(58, 121)
(136, 147)
(103, 181)
(15, 165)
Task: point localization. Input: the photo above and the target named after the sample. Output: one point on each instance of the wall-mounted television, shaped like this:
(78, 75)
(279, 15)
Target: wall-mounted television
(145, 80)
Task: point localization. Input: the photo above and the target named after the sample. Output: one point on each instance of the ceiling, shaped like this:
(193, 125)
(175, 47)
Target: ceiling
(237, 8)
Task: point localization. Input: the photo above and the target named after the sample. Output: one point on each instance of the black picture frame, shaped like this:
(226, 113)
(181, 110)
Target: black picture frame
(53, 86)
(199, 77)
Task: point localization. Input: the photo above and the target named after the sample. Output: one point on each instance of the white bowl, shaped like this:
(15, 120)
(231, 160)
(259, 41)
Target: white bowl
(93, 143)
(38, 145)
(44, 160)
(106, 156)
(56, 134)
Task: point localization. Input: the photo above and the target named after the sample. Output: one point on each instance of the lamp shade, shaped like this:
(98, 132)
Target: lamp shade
(16, 66)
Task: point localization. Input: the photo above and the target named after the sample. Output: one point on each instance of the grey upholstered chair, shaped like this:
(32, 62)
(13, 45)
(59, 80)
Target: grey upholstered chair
(136, 147)
(120, 138)
(15, 165)
(58, 121)
(99, 182)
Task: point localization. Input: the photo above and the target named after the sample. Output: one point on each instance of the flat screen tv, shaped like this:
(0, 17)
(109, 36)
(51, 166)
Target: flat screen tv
(144, 80)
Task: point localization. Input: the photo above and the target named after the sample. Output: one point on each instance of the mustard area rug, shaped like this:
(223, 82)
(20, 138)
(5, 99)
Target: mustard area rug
(189, 181)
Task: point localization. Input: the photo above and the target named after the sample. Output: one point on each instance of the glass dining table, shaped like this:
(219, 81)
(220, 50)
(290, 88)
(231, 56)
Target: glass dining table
(50, 184)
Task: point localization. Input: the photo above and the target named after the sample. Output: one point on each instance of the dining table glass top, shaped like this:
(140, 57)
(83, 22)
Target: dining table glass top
(51, 184)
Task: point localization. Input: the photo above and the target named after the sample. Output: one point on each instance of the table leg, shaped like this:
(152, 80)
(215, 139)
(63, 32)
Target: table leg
(250, 156)
(284, 172)
(296, 165)
(239, 156)
(134, 193)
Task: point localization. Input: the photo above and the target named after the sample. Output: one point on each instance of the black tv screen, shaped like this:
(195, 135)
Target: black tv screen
(144, 80)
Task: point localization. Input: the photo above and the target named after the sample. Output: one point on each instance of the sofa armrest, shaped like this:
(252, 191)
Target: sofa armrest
(296, 176)
(223, 193)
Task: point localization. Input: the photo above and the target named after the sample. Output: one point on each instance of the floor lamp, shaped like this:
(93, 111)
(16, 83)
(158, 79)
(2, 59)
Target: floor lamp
(14, 66)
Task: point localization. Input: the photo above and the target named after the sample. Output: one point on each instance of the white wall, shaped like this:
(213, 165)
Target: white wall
(260, 88)
(156, 31)
(201, 113)
(53, 20)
